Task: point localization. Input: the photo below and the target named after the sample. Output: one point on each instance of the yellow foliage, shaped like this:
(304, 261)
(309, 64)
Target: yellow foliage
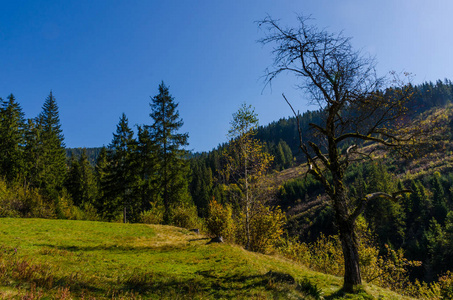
(220, 221)
(266, 228)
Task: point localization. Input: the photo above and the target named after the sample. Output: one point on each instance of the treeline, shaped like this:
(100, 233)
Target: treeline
(138, 176)
(91, 153)
(32, 161)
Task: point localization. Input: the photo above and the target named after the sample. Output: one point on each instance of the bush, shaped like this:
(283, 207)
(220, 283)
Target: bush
(266, 228)
(446, 285)
(153, 216)
(220, 221)
(185, 216)
(19, 200)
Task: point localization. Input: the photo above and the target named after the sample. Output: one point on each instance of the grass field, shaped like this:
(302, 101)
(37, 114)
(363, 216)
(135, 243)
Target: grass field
(61, 259)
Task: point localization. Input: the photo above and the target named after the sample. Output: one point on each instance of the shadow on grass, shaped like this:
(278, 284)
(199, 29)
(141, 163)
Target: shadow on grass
(360, 293)
(209, 284)
(199, 239)
(114, 248)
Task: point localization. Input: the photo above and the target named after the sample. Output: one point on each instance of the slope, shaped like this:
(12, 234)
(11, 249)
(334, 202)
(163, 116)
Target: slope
(61, 259)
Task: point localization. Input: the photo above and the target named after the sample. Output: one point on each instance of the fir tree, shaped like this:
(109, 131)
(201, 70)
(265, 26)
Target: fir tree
(117, 186)
(145, 165)
(33, 151)
(81, 182)
(12, 135)
(51, 167)
(440, 208)
(173, 168)
(101, 174)
(73, 181)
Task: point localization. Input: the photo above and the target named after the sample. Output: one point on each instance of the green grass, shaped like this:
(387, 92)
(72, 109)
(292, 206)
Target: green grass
(60, 259)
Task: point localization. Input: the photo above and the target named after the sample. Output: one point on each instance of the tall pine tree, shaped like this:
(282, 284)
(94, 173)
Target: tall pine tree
(50, 167)
(173, 169)
(145, 165)
(12, 139)
(118, 182)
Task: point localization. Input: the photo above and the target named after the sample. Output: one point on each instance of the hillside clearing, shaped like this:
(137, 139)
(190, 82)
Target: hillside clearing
(61, 259)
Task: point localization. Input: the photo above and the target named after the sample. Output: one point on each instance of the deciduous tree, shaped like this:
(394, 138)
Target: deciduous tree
(245, 163)
(344, 84)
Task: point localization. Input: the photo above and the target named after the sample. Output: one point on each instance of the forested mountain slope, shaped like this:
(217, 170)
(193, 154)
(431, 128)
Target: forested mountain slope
(420, 224)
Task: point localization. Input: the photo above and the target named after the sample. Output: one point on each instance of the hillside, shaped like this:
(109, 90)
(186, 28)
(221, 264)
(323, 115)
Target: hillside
(61, 259)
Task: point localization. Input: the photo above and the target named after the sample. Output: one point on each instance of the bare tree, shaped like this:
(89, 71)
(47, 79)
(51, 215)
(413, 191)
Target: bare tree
(357, 107)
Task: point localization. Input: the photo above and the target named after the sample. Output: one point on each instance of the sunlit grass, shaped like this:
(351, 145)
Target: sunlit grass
(61, 259)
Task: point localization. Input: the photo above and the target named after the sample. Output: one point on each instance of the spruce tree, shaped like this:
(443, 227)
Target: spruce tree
(173, 168)
(12, 139)
(145, 165)
(73, 181)
(101, 175)
(33, 151)
(51, 171)
(118, 183)
(80, 181)
(439, 201)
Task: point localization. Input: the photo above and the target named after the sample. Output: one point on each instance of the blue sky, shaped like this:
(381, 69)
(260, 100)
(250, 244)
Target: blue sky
(105, 57)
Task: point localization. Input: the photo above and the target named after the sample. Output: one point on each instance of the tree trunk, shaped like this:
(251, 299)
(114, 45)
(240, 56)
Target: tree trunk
(247, 202)
(352, 275)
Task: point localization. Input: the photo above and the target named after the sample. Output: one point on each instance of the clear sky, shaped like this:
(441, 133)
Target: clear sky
(105, 57)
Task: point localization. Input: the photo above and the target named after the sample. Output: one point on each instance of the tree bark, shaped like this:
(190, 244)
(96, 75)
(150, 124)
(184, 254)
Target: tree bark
(349, 243)
(352, 275)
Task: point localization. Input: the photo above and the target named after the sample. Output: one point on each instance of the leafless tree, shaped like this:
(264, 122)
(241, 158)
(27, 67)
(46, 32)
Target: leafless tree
(357, 106)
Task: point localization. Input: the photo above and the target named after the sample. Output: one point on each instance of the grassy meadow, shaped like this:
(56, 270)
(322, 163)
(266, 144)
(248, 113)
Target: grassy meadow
(62, 259)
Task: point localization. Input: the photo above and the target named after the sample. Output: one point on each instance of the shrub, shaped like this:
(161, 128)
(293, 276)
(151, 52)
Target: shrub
(185, 216)
(20, 200)
(220, 221)
(266, 228)
(153, 216)
(446, 285)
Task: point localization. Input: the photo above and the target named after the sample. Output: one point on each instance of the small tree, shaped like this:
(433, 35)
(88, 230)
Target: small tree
(246, 162)
(220, 220)
(343, 83)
